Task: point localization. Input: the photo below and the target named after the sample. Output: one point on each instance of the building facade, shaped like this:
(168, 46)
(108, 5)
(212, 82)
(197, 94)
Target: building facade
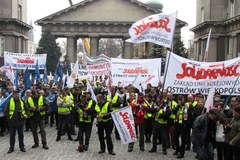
(13, 27)
(223, 16)
(99, 19)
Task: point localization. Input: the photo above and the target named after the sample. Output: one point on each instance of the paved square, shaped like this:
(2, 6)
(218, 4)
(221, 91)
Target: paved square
(66, 150)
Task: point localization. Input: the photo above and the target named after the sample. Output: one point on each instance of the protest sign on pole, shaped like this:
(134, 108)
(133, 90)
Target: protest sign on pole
(146, 71)
(185, 76)
(24, 60)
(124, 122)
(157, 28)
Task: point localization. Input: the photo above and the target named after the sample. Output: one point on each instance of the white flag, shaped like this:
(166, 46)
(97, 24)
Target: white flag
(89, 88)
(209, 101)
(205, 59)
(124, 122)
(10, 73)
(73, 76)
(157, 28)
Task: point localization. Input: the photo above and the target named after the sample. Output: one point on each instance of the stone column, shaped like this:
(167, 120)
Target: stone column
(94, 41)
(72, 49)
(149, 48)
(128, 50)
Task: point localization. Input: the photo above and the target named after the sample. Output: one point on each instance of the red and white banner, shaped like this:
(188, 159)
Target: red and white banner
(157, 28)
(185, 76)
(100, 69)
(24, 60)
(124, 122)
(129, 71)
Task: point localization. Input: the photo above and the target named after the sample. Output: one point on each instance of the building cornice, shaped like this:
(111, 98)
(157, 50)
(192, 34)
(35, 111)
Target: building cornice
(17, 22)
(232, 20)
(205, 24)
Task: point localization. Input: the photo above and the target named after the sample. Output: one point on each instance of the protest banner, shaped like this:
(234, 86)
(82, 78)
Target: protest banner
(24, 60)
(126, 70)
(100, 69)
(124, 122)
(157, 28)
(185, 76)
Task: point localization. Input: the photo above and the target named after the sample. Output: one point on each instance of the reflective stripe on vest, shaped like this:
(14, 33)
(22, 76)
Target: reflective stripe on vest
(90, 103)
(62, 109)
(102, 112)
(180, 116)
(12, 108)
(40, 104)
(173, 105)
(114, 101)
(160, 120)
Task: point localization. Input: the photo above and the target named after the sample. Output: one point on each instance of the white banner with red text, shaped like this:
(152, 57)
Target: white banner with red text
(124, 122)
(185, 76)
(157, 28)
(135, 71)
(24, 60)
(100, 69)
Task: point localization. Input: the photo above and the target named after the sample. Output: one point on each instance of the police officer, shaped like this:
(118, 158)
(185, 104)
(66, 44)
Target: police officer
(15, 113)
(37, 108)
(105, 123)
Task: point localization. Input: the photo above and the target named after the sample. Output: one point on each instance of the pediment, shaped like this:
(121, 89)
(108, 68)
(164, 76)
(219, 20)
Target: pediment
(102, 11)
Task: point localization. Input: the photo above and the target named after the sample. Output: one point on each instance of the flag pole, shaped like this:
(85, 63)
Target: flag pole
(168, 58)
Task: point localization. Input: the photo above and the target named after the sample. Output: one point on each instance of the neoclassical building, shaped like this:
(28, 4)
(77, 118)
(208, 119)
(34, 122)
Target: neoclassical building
(13, 27)
(97, 19)
(223, 16)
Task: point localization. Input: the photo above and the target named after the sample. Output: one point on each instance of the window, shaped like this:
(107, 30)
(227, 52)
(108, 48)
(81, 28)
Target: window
(227, 45)
(19, 12)
(2, 45)
(230, 46)
(232, 6)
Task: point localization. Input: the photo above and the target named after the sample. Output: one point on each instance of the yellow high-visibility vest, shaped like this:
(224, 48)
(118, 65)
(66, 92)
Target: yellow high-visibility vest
(173, 105)
(160, 120)
(193, 104)
(62, 109)
(102, 112)
(12, 108)
(81, 119)
(40, 104)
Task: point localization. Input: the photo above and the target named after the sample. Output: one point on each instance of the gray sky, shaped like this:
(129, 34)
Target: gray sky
(38, 9)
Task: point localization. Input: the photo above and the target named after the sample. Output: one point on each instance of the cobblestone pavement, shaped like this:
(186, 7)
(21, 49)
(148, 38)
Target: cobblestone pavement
(66, 150)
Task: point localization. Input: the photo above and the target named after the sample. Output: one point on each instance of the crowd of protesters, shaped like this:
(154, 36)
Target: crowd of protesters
(175, 121)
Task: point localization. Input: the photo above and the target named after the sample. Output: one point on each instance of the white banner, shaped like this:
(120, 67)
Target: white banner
(157, 28)
(24, 60)
(94, 70)
(124, 122)
(186, 76)
(131, 70)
